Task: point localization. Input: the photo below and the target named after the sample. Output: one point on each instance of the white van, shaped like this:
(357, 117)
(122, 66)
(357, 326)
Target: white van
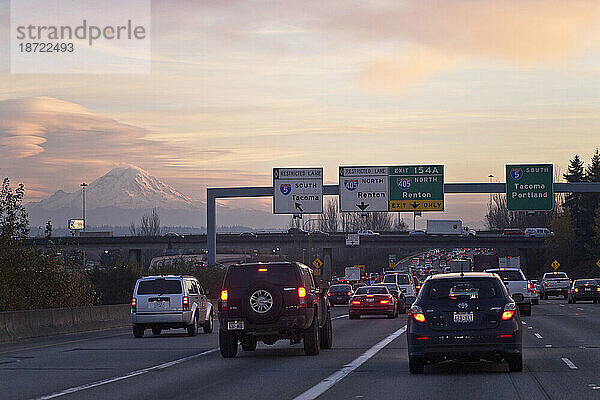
(405, 283)
(538, 232)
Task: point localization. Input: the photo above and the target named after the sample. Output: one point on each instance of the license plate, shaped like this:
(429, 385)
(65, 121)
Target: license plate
(587, 289)
(340, 298)
(370, 300)
(161, 304)
(463, 317)
(235, 325)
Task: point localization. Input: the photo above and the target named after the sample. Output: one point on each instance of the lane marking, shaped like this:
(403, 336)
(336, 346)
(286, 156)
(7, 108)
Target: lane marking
(537, 335)
(126, 376)
(337, 376)
(562, 305)
(339, 316)
(524, 323)
(548, 345)
(580, 309)
(569, 363)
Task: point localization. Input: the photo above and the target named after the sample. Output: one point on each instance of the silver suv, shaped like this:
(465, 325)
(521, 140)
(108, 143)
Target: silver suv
(170, 302)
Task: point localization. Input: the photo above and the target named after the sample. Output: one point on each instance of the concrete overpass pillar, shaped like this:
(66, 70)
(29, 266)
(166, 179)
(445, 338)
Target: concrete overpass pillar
(327, 264)
(523, 260)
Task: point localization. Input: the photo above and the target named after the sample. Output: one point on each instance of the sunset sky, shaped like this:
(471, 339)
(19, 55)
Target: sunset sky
(241, 86)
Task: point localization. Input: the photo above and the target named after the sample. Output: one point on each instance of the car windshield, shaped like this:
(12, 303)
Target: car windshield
(159, 286)
(462, 289)
(340, 288)
(509, 275)
(583, 282)
(401, 279)
(372, 290)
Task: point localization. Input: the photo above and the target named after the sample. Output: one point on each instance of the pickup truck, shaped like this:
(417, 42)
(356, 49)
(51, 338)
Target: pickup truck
(518, 287)
(555, 284)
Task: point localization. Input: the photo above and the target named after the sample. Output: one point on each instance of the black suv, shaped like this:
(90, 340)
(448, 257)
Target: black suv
(272, 301)
(464, 316)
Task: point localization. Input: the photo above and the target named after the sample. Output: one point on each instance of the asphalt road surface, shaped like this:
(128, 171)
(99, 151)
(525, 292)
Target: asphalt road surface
(368, 361)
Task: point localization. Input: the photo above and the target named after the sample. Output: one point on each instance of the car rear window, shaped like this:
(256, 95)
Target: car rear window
(462, 289)
(589, 282)
(559, 275)
(510, 275)
(402, 279)
(242, 276)
(159, 286)
(340, 288)
(371, 290)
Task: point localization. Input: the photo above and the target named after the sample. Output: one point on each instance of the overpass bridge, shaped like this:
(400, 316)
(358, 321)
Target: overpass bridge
(232, 247)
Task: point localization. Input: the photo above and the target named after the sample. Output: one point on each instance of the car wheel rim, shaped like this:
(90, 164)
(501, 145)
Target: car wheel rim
(261, 301)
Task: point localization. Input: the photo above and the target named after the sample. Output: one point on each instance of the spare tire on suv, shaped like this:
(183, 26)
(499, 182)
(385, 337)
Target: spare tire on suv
(268, 302)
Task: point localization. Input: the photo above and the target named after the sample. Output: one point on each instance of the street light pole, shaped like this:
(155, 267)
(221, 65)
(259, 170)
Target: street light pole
(83, 185)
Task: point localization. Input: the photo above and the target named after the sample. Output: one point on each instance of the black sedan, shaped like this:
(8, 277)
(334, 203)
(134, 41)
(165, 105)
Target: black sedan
(466, 316)
(584, 289)
(339, 294)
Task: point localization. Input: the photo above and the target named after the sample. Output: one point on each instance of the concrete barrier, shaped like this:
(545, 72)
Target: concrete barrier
(18, 325)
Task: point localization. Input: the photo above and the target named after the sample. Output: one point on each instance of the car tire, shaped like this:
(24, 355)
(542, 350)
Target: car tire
(138, 330)
(353, 316)
(207, 327)
(327, 334)
(312, 344)
(249, 343)
(416, 365)
(192, 329)
(228, 344)
(515, 363)
(156, 331)
(272, 314)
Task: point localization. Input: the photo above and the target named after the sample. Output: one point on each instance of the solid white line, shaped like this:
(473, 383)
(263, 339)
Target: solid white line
(337, 376)
(339, 316)
(537, 335)
(569, 363)
(122, 377)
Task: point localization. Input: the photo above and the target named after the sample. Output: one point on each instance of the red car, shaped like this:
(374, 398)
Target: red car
(372, 300)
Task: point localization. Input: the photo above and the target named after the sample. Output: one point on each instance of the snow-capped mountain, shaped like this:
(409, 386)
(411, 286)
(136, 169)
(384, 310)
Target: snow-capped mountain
(127, 188)
(125, 194)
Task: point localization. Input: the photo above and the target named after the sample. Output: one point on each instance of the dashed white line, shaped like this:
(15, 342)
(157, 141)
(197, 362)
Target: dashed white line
(569, 363)
(562, 305)
(126, 376)
(339, 316)
(337, 376)
(537, 335)
(580, 309)
(524, 323)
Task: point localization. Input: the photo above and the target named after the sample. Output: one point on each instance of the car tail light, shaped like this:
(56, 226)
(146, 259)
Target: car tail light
(349, 293)
(546, 283)
(529, 287)
(423, 338)
(224, 297)
(384, 302)
(417, 313)
(509, 311)
(355, 302)
(598, 289)
(302, 296)
(576, 290)
(133, 305)
(505, 336)
(329, 294)
(185, 302)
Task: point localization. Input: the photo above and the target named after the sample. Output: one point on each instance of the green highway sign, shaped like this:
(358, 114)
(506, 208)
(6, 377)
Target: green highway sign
(529, 187)
(416, 188)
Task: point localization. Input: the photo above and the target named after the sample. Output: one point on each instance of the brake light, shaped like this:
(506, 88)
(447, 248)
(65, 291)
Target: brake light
(505, 336)
(423, 338)
(384, 302)
(329, 294)
(417, 314)
(509, 311)
(224, 297)
(349, 293)
(185, 302)
(576, 290)
(355, 302)
(545, 282)
(133, 305)
(302, 296)
(262, 270)
(529, 287)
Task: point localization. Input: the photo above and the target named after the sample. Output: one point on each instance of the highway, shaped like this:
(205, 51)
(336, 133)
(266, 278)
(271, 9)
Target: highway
(368, 361)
